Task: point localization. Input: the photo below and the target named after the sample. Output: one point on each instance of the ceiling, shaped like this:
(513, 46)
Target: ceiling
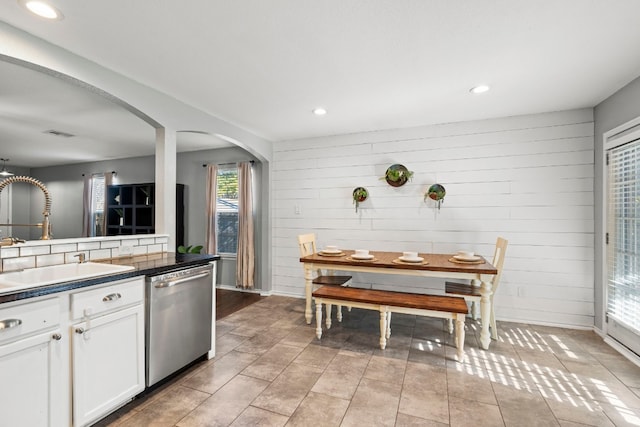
(265, 65)
(33, 103)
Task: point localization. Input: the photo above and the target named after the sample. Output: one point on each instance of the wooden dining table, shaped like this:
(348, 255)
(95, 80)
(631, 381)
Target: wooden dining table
(434, 265)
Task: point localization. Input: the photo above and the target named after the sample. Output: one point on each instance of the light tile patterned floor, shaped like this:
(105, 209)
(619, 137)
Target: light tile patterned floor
(270, 370)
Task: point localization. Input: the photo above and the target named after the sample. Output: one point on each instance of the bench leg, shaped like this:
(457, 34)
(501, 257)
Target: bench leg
(383, 329)
(388, 324)
(450, 322)
(319, 319)
(339, 313)
(460, 336)
(328, 309)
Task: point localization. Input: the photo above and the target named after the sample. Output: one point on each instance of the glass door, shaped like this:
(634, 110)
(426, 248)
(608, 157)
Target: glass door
(623, 244)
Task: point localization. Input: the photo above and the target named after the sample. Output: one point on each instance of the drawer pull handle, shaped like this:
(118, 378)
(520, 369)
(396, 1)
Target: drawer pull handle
(9, 323)
(56, 337)
(112, 297)
(79, 330)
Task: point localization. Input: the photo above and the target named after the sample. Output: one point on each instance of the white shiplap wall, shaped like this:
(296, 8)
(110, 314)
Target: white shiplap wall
(526, 178)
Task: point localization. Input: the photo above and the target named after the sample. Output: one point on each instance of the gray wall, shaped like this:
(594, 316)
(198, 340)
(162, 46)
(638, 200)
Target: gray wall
(618, 109)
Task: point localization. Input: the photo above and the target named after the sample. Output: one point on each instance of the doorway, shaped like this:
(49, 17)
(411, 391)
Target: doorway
(622, 235)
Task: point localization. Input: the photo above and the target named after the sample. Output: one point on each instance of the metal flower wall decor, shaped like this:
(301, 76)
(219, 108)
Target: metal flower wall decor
(436, 192)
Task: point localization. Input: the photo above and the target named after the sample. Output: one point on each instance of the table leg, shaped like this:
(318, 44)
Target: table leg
(485, 313)
(319, 319)
(308, 277)
(460, 336)
(328, 310)
(388, 324)
(383, 328)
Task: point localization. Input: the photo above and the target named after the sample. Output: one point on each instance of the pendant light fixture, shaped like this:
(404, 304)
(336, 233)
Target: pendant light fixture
(4, 172)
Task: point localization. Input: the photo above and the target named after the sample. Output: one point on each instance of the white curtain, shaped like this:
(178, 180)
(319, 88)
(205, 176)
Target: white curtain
(245, 262)
(87, 205)
(87, 198)
(108, 180)
(211, 200)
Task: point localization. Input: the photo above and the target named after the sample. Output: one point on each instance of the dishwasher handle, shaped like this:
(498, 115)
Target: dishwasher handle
(169, 283)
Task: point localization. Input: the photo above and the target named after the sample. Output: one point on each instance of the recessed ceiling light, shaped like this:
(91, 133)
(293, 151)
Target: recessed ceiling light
(42, 9)
(319, 111)
(479, 89)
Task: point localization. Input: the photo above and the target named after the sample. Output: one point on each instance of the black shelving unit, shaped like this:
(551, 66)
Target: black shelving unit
(131, 210)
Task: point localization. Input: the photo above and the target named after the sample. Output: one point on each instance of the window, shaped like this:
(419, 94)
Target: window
(623, 249)
(227, 210)
(97, 204)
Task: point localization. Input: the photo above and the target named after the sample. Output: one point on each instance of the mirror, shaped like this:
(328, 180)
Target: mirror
(56, 130)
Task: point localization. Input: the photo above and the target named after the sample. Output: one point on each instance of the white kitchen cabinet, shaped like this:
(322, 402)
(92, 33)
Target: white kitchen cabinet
(33, 374)
(107, 348)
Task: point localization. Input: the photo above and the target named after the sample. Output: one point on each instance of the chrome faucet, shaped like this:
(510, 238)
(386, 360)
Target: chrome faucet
(80, 256)
(46, 225)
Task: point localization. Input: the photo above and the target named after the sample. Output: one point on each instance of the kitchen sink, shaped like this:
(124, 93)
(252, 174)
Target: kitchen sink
(34, 277)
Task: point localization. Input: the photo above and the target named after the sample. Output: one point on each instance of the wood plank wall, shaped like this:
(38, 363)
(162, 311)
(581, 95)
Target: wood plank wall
(527, 178)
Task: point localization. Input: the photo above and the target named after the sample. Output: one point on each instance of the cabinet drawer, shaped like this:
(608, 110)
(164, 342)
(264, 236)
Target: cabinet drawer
(27, 318)
(106, 298)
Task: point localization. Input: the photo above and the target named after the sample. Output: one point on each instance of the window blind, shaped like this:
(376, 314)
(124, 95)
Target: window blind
(623, 226)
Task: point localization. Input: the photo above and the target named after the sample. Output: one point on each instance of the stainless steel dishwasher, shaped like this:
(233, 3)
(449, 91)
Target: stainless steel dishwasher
(179, 318)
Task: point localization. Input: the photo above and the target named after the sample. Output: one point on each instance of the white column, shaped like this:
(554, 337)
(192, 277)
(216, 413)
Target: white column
(166, 184)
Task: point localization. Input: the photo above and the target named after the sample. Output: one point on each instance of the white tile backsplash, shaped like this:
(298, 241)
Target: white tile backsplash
(110, 244)
(87, 246)
(9, 253)
(39, 253)
(99, 254)
(66, 247)
(139, 250)
(34, 250)
(53, 259)
(11, 264)
(151, 249)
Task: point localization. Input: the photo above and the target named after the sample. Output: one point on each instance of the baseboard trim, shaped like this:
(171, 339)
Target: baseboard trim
(633, 358)
(550, 324)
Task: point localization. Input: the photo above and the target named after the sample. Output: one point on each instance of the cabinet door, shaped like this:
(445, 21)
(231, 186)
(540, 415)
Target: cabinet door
(31, 374)
(108, 363)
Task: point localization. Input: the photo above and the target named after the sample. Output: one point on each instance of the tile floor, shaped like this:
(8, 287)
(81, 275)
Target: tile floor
(270, 370)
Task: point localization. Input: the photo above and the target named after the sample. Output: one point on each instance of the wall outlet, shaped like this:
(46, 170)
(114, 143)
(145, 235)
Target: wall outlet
(297, 210)
(521, 291)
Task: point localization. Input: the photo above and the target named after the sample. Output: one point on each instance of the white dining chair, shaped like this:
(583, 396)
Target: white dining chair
(471, 292)
(307, 243)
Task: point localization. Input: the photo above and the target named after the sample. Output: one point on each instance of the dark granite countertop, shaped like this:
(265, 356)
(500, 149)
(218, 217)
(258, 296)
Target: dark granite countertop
(144, 265)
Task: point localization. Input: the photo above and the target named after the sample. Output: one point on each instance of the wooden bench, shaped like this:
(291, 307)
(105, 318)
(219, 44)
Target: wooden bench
(387, 302)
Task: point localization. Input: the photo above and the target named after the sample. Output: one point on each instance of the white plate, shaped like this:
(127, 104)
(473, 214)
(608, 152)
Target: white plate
(354, 256)
(416, 259)
(466, 258)
(331, 251)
